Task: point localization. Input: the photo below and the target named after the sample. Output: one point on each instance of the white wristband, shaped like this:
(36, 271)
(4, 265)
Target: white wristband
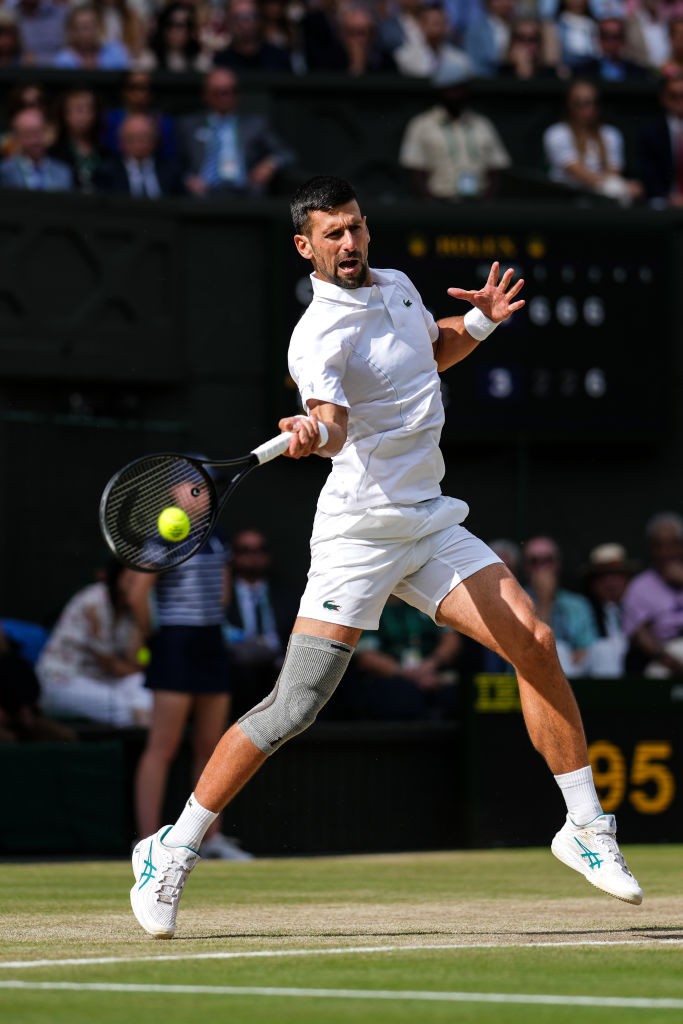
(478, 325)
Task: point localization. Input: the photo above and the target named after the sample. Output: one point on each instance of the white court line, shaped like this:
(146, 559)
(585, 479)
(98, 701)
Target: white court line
(622, 1002)
(329, 951)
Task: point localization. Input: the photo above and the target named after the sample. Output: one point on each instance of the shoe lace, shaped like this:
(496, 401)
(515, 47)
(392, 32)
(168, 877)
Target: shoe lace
(171, 881)
(609, 845)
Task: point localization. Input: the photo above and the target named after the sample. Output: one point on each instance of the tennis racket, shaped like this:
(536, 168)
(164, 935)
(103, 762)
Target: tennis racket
(138, 494)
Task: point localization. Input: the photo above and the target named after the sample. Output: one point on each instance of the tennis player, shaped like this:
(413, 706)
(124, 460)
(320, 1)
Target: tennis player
(366, 356)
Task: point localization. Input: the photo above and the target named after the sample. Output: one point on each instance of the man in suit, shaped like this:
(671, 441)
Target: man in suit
(661, 147)
(29, 167)
(139, 171)
(223, 150)
(260, 616)
(611, 64)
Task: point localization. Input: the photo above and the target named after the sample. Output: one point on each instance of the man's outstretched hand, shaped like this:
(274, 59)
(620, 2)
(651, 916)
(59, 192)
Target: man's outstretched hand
(495, 299)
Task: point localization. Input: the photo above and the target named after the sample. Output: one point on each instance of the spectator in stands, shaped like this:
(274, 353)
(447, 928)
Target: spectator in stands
(611, 64)
(41, 27)
(487, 37)
(647, 33)
(583, 152)
(88, 668)
(27, 94)
(137, 98)
(78, 143)
(322, 47)
(400, 26)
(30, 167)
(260, 616)
(568, 614)
(20, 715)
(85, 47)
(660, 146)
(451, 152)
(361, 50)
(606, 577)
(405, 667)
(577, 32)
(224, 151)
(653, 602)
(139, 171)
(248, 49)
(281, 28)
(175, 45)
(526, 57)
(10, 41)
(188, 675)
(123, 23)
(431, 49)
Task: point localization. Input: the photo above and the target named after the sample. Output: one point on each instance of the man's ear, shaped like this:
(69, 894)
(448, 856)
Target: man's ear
(303, 246)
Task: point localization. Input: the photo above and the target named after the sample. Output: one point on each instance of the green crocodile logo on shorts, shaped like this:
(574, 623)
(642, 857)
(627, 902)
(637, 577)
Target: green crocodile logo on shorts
(407, 303)
(593, 858)
(331, 606)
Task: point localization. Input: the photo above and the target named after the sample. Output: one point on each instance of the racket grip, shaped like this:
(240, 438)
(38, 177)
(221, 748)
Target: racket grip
(277, 445)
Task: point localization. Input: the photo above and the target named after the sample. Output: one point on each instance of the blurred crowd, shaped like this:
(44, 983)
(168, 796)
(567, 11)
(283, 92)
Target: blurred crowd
(450, 151)
(610, 39)
(205, 643)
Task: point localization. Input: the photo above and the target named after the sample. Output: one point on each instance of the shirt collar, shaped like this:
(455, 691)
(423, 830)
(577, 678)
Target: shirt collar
(345, 296)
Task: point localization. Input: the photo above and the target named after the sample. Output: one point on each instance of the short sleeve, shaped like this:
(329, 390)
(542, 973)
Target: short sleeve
(318, 366)
(412, 153)
(614, 147)
(636, 606)
(497, 156)
(559, 146)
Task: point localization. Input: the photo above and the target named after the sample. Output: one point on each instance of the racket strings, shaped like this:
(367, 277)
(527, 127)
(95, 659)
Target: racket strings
(138, 496)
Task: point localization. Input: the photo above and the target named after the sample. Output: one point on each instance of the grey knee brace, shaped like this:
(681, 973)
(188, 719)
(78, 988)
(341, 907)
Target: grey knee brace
(312, 669)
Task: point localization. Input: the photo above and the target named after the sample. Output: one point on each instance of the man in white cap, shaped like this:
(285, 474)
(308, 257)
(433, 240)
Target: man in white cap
(450, 151)
(606, 577)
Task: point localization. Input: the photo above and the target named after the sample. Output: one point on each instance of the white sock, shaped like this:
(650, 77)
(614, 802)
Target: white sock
(191, 826)
(578, 790)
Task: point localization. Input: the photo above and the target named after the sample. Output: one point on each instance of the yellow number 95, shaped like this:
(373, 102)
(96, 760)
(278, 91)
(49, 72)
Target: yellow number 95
(651, 784)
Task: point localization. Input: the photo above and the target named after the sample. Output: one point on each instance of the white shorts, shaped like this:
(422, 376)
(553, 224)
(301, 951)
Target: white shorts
(417, 552)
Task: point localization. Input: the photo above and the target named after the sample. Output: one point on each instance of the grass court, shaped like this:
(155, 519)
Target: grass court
(477, 936)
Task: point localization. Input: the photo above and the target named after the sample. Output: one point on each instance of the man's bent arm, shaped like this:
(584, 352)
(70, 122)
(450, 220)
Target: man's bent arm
(306, 440)
(453, 343)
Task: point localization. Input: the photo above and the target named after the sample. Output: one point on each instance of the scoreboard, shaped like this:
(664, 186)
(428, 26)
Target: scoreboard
(589, 356)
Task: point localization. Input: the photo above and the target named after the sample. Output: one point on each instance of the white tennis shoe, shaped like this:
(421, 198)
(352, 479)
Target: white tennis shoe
(592, 850)
(160, 875)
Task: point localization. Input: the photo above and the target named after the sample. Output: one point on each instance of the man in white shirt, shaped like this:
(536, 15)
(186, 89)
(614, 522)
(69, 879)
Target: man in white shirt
(450, 151)
(366, 356)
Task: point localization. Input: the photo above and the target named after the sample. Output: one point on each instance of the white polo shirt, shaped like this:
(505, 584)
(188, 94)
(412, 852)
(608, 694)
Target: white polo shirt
(370, 350)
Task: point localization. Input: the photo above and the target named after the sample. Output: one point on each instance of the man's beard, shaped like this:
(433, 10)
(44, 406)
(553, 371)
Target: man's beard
(360, 274)
(355, 281)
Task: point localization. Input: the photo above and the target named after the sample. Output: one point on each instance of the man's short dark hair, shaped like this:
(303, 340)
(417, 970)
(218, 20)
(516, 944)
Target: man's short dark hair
(324, 192)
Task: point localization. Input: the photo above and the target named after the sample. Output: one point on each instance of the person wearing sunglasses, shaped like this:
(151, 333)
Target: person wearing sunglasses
(568, 614)
(585, 153)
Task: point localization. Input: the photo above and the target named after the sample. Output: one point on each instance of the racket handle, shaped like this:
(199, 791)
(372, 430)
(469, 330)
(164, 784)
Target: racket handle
(277, 445)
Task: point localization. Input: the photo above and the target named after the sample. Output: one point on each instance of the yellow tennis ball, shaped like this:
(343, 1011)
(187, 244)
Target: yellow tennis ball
(143, 656)
(173, 524)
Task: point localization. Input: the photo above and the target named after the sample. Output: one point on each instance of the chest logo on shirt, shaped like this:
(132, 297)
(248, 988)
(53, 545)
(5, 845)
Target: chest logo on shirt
(407, 303)
(331, 606)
